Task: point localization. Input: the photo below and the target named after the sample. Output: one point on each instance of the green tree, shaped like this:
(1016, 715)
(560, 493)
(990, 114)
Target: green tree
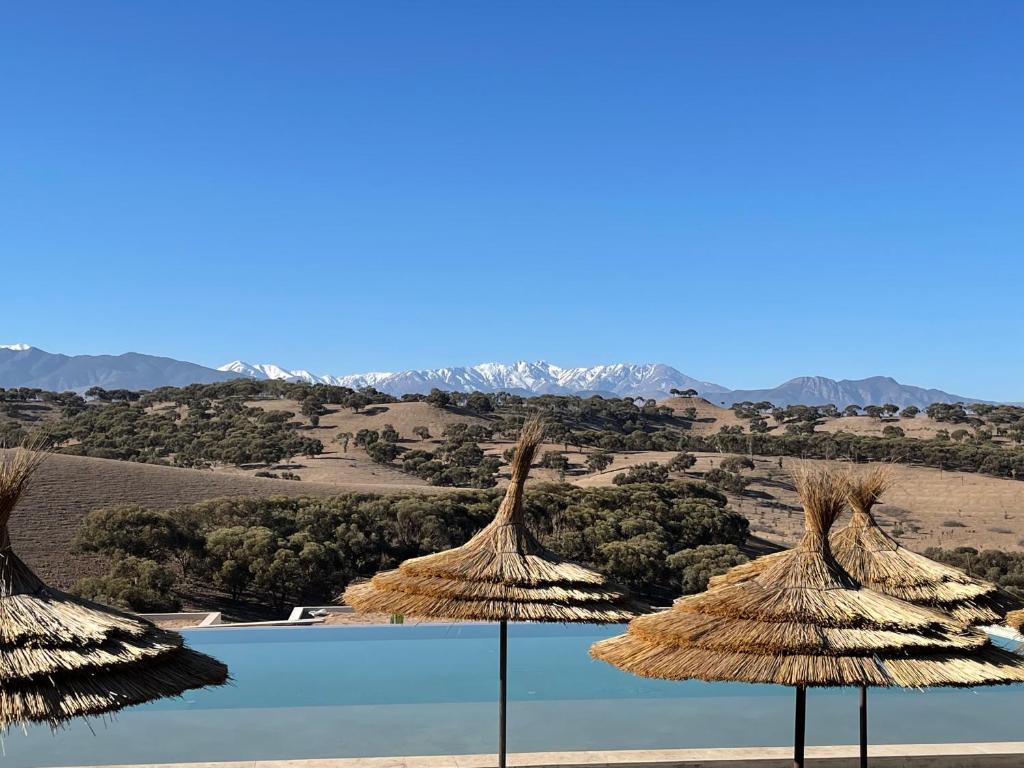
(681, 462)
(130, 530)
(650, 472)
(439, 398)
(692, 568)
(599, 461)
(138, 584)
(365, 437)
(343, 438)
(736, 464)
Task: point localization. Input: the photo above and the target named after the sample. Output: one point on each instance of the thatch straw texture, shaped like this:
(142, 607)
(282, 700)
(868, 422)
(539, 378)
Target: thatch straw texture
(1015, 619)
(502, 573)
(62, 657)
(874, 559)
(800, 619)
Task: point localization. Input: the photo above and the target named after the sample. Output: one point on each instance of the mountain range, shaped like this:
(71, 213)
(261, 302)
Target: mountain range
(653, 380)
(22, 365)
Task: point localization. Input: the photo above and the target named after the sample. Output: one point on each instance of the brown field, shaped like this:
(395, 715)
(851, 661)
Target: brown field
(346, 468)
(710, 417)
(68, 487)
(921, 427)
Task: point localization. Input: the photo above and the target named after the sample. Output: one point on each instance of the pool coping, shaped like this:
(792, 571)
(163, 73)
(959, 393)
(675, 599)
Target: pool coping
(956, 755)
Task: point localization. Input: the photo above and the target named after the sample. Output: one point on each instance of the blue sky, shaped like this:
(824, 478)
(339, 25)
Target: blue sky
(747, 191)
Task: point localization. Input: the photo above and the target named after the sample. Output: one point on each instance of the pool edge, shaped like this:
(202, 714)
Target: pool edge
(962, 755)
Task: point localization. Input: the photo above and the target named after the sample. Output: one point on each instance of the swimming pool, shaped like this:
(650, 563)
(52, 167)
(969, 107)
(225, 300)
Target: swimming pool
(418, 690)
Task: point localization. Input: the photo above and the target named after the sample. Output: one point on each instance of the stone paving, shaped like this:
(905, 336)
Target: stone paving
(974, 755)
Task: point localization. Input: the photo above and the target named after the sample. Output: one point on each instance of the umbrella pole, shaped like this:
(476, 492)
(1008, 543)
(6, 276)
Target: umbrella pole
(798, 735)
(863, 726)
(502, 691)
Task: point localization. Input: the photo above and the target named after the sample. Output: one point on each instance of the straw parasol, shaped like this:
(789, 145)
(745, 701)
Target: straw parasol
(799, 619)
(62, 657)
(868, 554)
(502, 574)
(879, 562)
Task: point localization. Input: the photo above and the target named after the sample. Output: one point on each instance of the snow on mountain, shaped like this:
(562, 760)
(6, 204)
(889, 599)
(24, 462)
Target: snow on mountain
(521, 377)
(16, 347)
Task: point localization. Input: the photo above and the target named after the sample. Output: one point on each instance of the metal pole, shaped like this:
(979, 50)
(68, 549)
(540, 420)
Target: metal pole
(502, 675)
(798, 735)
(863, 726)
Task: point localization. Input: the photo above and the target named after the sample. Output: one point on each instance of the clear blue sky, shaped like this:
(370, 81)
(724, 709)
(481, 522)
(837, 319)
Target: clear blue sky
(747, 191)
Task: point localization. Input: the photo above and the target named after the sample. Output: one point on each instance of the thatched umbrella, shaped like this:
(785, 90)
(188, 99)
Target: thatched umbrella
(874, 559)
(878, 562)
(799, 619)
(62, 657)
(502, 574)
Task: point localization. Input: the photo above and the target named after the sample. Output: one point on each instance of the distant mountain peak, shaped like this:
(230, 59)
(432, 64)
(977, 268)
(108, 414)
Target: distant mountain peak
(17, 347)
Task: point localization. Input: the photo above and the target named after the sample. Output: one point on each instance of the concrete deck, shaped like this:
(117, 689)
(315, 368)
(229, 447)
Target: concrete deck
(974, 755)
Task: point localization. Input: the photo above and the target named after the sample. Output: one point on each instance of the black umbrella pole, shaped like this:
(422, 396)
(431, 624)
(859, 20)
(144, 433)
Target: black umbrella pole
(863, 726)
(502, 690)
(800, 720)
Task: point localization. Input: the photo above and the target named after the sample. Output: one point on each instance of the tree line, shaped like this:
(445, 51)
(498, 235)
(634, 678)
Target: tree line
(660, 540)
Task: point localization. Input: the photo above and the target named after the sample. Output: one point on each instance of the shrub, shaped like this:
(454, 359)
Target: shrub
(737, 464)
(727, 481)
(138, 584)
(651, 472)
(681, 462)
(693, 568)
(599, 461)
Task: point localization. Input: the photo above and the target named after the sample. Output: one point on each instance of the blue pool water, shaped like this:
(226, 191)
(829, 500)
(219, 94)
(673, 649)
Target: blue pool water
(415, 690)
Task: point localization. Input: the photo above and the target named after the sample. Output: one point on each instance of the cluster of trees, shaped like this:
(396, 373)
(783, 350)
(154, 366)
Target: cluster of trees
(659, 540)
(975, 456)
(195, 435)
(458, 461)
(205, 423)
(1003, 568)
(648, 472)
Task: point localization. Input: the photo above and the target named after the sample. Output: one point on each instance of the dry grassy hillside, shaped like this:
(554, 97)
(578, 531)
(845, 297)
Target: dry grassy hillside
(353, 467)
(402, 416)
(710, 417)
(927, 507)
(67, 487)
(921, 427)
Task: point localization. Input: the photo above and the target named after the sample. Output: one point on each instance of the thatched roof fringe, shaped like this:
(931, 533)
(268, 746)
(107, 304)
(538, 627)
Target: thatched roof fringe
(63, 657)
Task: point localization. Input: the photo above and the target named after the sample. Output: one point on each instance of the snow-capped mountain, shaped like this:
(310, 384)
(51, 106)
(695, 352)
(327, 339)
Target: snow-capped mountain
(522, 377)
(22, 365)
